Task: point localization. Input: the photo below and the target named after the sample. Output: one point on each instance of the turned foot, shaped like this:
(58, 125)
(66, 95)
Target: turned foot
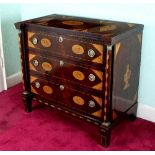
(27, 99)
(105, 136)
(132, 117)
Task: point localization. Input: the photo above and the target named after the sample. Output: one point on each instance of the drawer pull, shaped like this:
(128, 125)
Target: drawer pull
(61, 63)
(91, 77)
(37, 84)
(62, 87)
(35, 41)
(35, 62)
(91, 104)
(91, 53)
(60, 39)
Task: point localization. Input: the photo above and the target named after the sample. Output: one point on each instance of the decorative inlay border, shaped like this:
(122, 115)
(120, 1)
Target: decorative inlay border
(107, 83)
(66, 111)
(21, 59)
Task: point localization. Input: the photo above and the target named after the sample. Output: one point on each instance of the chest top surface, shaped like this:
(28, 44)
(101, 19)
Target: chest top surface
(110, 31)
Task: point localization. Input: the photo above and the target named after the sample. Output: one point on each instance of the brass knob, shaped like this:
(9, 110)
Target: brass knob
(62, 87)
(91, 77)
(91, 104)
(19, 31)
(60, 39)
(35, 62)
(37, 84)
(91, 53)
(61, 63)
(34, 41)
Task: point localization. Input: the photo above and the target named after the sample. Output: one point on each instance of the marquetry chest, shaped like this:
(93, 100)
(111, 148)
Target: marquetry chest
(88, 68)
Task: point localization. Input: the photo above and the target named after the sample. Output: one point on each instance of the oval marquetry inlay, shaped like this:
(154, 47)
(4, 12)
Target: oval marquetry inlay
(71, 22)
(78, 100)
(47, 89)
(77, 49)
(45, 42)
(107, 28)
(78, 75)
(46, 66)
(131, 24)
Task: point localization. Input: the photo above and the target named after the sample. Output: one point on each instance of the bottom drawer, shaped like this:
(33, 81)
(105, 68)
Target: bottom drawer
(67, 96)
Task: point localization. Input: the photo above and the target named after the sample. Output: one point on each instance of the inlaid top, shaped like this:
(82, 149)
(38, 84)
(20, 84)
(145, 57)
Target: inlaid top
(110, 30)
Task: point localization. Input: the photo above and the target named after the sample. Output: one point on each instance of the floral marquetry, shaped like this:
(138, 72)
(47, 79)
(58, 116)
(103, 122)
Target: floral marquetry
(127, 76)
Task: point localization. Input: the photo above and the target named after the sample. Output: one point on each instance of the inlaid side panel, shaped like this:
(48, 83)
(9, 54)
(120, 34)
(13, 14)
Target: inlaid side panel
(59, 68)
(67, 96)
(126, 72)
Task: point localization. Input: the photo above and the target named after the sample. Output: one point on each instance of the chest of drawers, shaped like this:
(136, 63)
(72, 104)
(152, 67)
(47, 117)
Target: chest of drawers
(86, 67)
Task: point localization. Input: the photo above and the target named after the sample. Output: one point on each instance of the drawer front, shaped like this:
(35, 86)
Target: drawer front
(67, 96)
(66, 47)
(66, 70)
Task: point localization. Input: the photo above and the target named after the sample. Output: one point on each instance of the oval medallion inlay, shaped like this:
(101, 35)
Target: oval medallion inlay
(78, 75)
(78, 100)
(77, 49)
(46, 66)
(71, 22)
(45, 42)
(47, 89)
(107, 28)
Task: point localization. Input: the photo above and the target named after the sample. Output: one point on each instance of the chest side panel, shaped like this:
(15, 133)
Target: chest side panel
(126, 73)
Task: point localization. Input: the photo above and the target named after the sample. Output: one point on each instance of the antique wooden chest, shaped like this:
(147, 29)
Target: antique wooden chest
(86, 67)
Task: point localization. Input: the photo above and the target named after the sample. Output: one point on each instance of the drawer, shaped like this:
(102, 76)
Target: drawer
(63, 69)
(66, 47)
(67, 96)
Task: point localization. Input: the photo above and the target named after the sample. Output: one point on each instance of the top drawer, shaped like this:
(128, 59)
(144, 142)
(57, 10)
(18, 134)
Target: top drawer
(66, 47)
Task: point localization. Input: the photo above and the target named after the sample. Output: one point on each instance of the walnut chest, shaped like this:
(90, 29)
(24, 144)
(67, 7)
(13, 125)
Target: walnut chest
(86, 67)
